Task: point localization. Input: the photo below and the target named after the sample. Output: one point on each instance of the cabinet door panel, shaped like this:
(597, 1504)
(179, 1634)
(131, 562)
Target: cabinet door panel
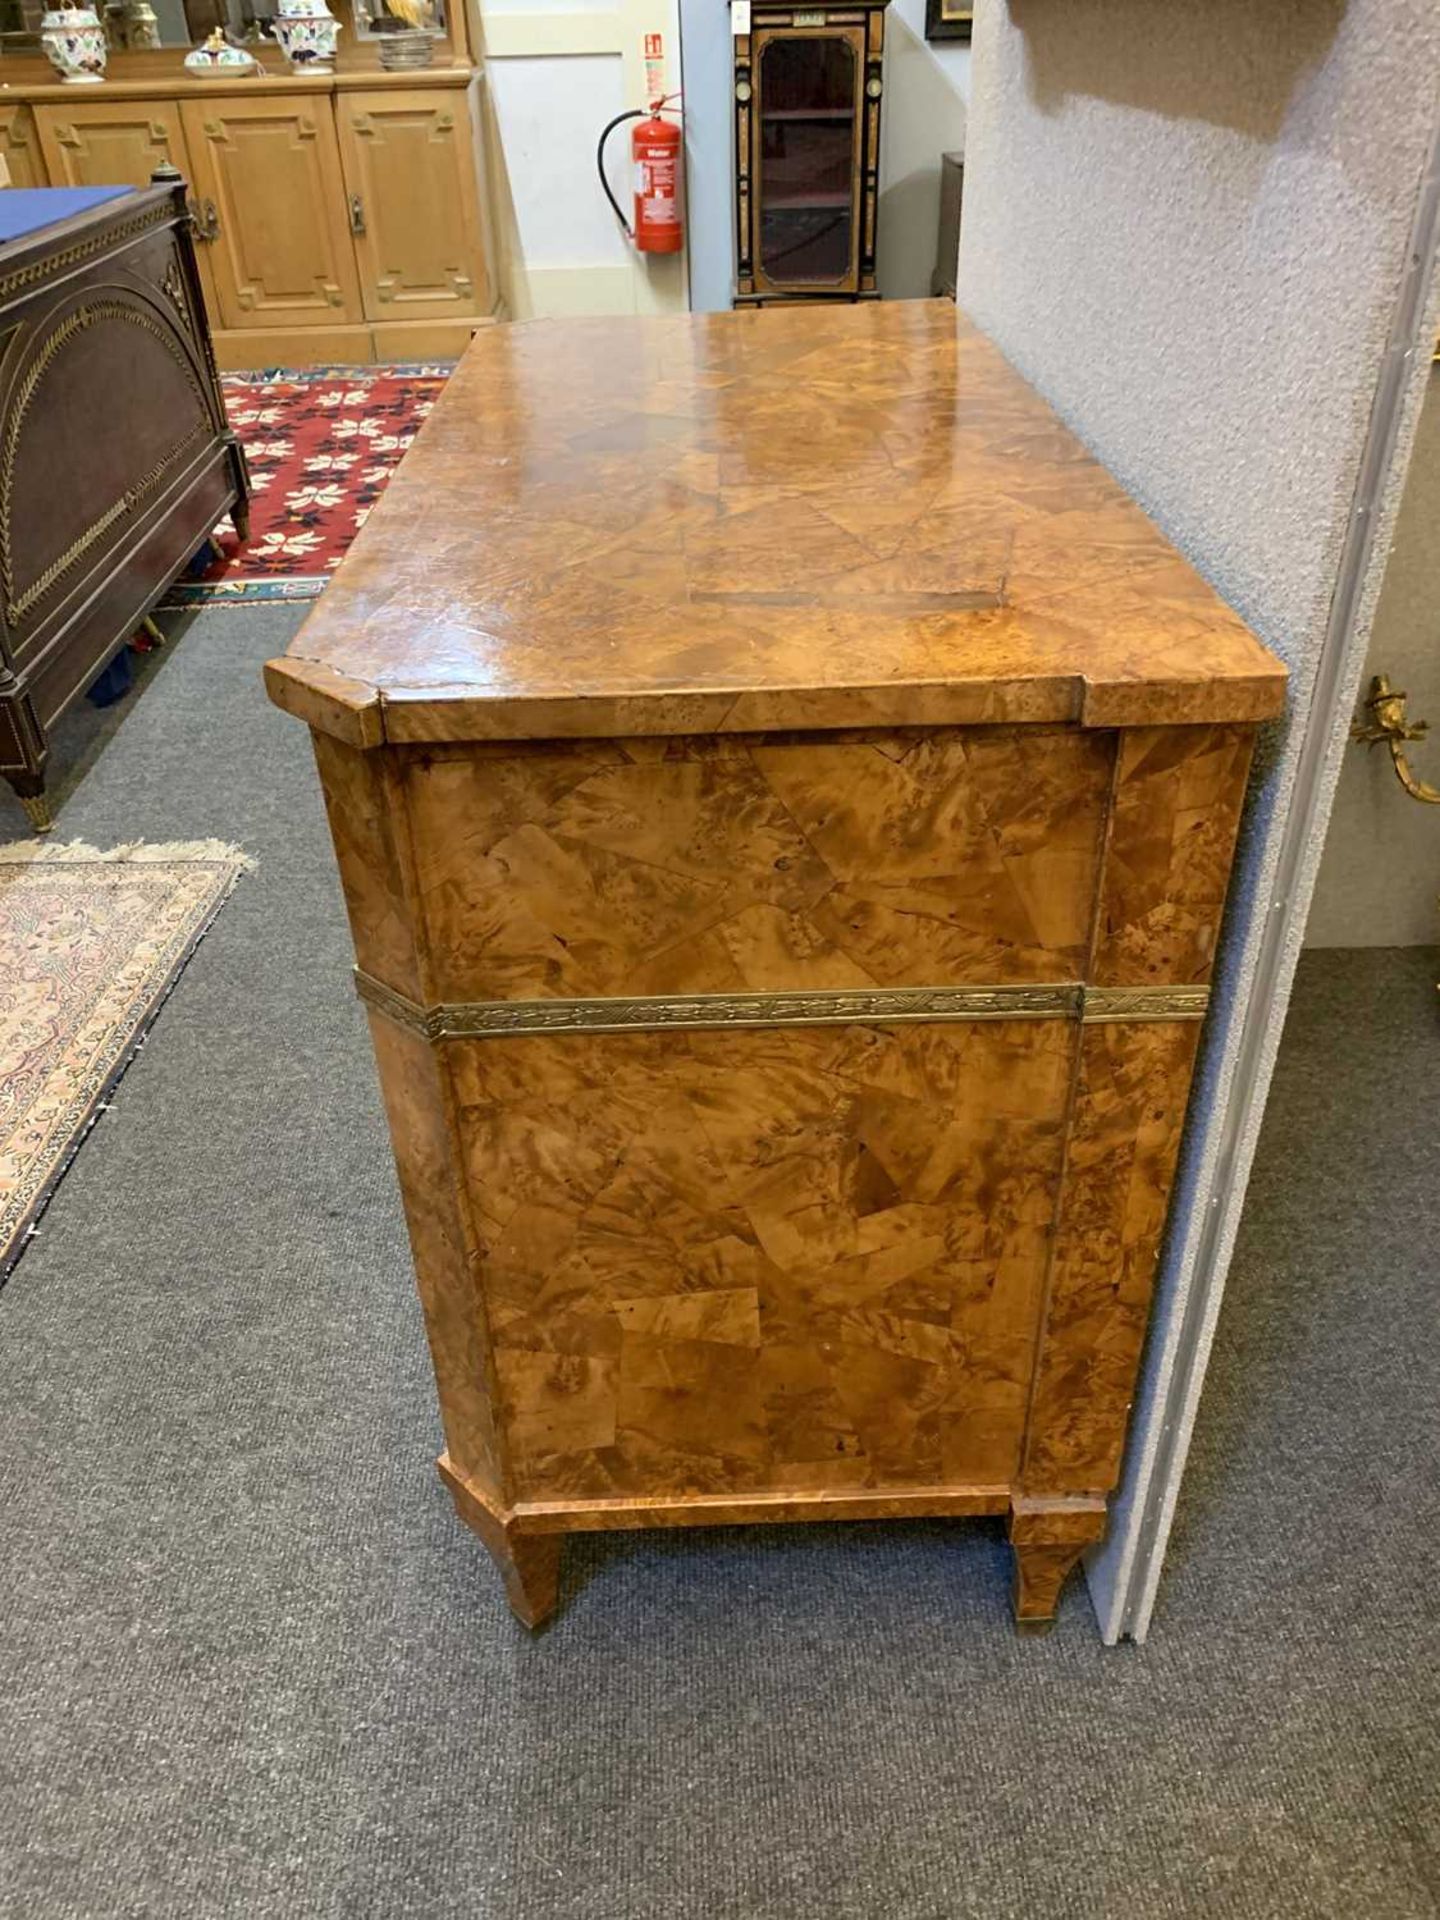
(280, 251)
(118, 143)
(20, 148)
(414, 204)
(110, 143)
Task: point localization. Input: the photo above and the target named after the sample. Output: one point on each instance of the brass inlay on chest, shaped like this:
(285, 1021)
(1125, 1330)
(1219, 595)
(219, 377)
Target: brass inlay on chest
(881, 1006)
(52, 263)
(1143, 1003)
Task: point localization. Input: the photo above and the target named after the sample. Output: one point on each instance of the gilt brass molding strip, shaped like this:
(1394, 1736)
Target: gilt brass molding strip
(486, 1019)
(1143, 1003)
(93, 243)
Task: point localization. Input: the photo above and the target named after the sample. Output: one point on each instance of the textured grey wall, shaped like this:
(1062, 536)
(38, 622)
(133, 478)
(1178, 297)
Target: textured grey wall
(1189, 226)
(1380, 875)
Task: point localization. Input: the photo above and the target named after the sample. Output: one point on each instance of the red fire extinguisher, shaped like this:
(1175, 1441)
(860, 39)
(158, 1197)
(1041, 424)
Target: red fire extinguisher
(655, 154)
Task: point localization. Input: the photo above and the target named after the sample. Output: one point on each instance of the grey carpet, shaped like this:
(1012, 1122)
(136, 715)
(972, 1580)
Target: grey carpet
(250, 1665)
(76, 741)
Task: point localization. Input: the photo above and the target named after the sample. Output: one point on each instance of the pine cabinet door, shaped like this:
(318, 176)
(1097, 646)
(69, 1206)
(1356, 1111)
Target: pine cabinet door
(110, 143)
(267, 177)
(119, 143)
(414, 204)
(20, 147)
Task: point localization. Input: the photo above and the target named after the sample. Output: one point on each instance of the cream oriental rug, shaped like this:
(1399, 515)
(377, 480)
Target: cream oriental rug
(90, 945)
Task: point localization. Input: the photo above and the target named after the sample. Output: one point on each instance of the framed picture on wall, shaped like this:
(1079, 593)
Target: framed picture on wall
(947, 20)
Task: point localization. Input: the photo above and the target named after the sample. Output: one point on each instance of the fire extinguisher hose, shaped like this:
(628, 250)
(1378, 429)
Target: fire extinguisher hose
(635, 113)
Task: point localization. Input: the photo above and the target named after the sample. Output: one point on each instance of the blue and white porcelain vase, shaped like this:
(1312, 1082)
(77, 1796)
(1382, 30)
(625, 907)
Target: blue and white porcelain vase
(74, 41)
(307, 32)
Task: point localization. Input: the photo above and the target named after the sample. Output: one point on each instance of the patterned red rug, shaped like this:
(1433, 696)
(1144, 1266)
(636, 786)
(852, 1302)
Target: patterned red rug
(321, 443)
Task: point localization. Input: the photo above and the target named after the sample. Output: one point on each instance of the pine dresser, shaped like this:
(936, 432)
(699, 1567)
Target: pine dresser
(784, 792)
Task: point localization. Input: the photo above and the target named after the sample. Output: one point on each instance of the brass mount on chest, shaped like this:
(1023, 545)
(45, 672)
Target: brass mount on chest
(658, 1013)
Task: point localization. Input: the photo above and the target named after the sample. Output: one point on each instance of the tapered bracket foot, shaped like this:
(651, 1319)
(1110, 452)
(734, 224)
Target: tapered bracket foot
(530, 1567)
(1029, 1627)
(1047, 1537)
(528, 1563)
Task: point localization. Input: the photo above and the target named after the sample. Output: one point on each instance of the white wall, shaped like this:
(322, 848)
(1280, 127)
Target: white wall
(1379, 883)
(562, 221)
(926, 86)
(1191, 228)
(557, 70)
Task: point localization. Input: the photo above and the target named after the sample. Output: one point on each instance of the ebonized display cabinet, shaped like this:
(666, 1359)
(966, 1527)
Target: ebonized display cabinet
(808, 87)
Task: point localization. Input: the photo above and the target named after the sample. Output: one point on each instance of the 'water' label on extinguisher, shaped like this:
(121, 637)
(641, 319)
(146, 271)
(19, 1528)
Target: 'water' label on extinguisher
(655, 186)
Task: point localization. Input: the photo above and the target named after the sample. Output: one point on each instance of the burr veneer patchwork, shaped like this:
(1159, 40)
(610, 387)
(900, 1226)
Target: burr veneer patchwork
(784, 794)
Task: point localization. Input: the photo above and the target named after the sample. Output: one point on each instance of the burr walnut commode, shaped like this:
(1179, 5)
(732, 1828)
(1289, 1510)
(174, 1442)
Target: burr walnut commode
(784, 792)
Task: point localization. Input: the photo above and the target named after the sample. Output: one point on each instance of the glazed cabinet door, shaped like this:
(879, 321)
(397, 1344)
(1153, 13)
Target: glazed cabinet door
(267, 176)
(806, 158)
(20, 148)
(413, 204)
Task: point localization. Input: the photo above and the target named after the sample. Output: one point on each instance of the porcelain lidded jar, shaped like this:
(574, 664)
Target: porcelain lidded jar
(74, 40)
(307, 32)
(142, 27)
(217, 59)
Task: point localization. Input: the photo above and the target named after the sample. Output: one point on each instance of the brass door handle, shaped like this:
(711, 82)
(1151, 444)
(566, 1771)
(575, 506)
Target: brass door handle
(205, 219)
(357, 214)
(1390, 725)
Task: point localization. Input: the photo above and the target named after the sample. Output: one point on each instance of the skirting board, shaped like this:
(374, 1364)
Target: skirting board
(359, 344)
(651, 283)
